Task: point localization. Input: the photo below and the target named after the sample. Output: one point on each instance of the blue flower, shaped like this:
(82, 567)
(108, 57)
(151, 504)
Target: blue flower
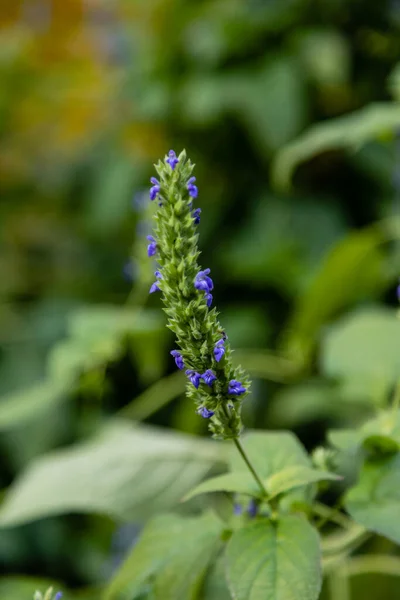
(235, 388)
(203, 282)
(178, 359)
(152, 247)
(154, 287)
(398, 292)
(219, 349)
(172, 159)
(209, 299)
(58, 596)
(194, 377)
(252, 508)
(196, 216)
(209, 377)
(192, 189)
(205, 413)
(155, 189)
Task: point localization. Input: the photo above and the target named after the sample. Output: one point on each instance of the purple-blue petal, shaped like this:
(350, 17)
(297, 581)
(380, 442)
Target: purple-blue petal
(209, 377)
(154, 288)
(172, 159)
(205, 412)
(209, 299)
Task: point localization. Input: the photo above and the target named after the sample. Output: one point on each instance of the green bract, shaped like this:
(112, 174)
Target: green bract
(195, 325)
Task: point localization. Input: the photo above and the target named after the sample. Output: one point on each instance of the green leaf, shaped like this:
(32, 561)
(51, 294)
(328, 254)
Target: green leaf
(215, 584)
(349, 132)
(366, 343)
(270, 452)
(351, 269)
(169, 560)
(374, 501)
(380, 445)
(32, 403)
(125, 471)
(275, 561)
(241, 483)
(294, 477)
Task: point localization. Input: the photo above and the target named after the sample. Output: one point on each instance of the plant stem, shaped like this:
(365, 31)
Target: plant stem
(252, 470)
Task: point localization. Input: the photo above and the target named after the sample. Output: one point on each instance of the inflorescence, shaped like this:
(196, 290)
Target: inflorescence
(204, 354)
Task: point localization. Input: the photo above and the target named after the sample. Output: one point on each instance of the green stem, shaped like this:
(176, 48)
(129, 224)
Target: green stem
(252, 470)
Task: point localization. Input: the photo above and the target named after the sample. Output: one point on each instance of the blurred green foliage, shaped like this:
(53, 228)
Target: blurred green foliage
(290, 110)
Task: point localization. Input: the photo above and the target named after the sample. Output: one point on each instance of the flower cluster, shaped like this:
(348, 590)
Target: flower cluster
(216, 386)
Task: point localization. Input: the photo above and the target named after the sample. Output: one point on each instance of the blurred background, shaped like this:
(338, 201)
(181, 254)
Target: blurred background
(289, 108)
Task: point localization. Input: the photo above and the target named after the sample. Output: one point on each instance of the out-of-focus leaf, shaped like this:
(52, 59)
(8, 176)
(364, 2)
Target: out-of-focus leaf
(365, 343)
(97, 335)
(374, 501)
(275, 561)
(349, 132)
(352, 269)
(325, 54)
(215, 584)
(126, 472)
(31, 403)
(282, 238)
(169, 560)
(269, 100)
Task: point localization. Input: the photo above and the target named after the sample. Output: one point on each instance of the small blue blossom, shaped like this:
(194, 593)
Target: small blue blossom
(235, 388)
(194, 377)
(192, 189)
(178, 359)
(209, 299)
(152, 247)
(205, 413)
(58, 596)
(203, 282)
(172, 159)
(252, 508)
(398, 292)
(155, 189)
(154, 287)
(219, 349)
(196, 216)
(209, 377)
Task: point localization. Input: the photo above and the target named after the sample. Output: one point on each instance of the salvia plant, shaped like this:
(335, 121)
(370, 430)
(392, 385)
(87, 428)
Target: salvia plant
(267, 534)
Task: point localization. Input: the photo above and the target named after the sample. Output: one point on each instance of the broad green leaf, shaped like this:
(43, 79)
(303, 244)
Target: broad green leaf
(97, 335)
(241, 483)
(125, 471)
(294, 477)
(351, 269)
(349, 132)
(374, 501)
(32, 403)
(169, 560)
(270, 452)
(365, 343)
(275, 561)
